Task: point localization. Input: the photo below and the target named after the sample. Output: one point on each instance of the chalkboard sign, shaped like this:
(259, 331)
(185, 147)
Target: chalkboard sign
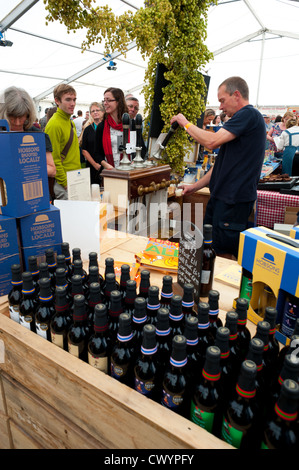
(190, 257)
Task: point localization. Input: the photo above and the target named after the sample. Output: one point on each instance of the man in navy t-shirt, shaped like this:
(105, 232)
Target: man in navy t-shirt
(234, 177)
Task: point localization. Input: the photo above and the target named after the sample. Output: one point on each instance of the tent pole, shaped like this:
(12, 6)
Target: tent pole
(260, 70)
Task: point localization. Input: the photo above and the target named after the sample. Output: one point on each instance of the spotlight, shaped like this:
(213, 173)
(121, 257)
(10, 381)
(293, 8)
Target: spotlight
(112, 65)
(4, 42)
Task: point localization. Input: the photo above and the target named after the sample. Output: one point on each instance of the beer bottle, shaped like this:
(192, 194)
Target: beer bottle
(33, 268)
(281, 429)
(62, 319)
(215, 321)
(174, 381)
(109, 269)
(94, 275)
(79, 332)
(164, 341)
(240, 418)
(205, 337)
(244, 335)
(15, 293)
(139, 319)
(188, 300)
(176, 316)
(270, 316)
(208, 262)
(94, 298)
(76, 288)
(145, 369)
(153, 304)
(228, 375)
(44, 271)
(144, 284)
(28, 304)
(65, 250)
(79, 271)
(193, 367)
(288, 349)
(61, 263)
(100, 343)
(124, 277)
(45, 309)
(123, 354)
(61, 281)
(110, 285)
(115, 308)
(231, 322)
(50, 259)
(262, 332)
(206, 405)
(166, 291)
(290, 370)
(246, 285)
(255, 354)
(129, 296)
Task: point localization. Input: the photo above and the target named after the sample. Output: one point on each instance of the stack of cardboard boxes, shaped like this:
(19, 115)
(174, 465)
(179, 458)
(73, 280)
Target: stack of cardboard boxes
(29, 224)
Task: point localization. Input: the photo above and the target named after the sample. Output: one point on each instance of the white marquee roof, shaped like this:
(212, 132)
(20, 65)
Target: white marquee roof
(255, 39)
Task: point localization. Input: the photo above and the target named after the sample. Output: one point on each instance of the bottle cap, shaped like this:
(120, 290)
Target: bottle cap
(50, 256)
(255, 352)
(32, 264)
(65, 249)
(175, 307)
(60, 261)
(262, 331)
(213, 299)
(203, 314)
(16, 272)
(140, 309)
(100, 317)
(144, 276)
(178, 354)
(162, 324)
(211, 369)
(149, 340)
(60, 296)
(109, 261)
(290, 368)
(76, 253)
(191, 329)
(222, 339)
(27, 282)
(207, 231)
(153, 291)
(231, 322)
(43, 269)
(125, 328)
(270, 316)
(246, 380)
(79, 312)
(60, 276)
(125, 269)
(241, 308)
(93, 273)
(93, 258)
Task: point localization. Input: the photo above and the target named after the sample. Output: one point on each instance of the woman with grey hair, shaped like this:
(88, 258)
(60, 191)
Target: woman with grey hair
(97, 112)
(17, 107)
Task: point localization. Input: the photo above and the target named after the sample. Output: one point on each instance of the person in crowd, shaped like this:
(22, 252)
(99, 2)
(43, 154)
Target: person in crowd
(19, 110)
(224, 118)
(133, 108)
(62, 132)
(208, 118)
(97, 112)
(109, 132)
(78, 121)
(268, 126)
(43, 120)
(217, 120)
(50, 112)
(289, 144)
(234, 177)
(277, 129)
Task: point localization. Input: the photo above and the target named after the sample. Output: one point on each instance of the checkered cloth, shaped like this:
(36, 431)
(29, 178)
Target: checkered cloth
(270, 207)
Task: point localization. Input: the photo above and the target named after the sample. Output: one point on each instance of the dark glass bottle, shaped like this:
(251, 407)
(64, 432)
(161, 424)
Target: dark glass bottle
(231, 322)
(130, 296)
(262, 332)
(205, 337)
(44, 270)
(110, 285)
(215, 321)
(193, 367)
(65, 250)
(50, 259)
(281, 429)
(62, 319)
(94, 298)
(176, 316)
(79, 271)
(174, 381)
(61, 281)
(15, 294)
(93, 275)
(290, 370)
(246, 285)
(288, 349)
(45, 309)
(93, 268)
(206, 403)
(100, 343)
(123, 353)
(109, 266)
(188, 300)
(139, 319)
(255, 354)
(145, 369)
(124, 277)
(164, 342)
(144, 284)
(228, 376)
(33, 268)
(114, 310)
(79, 332)
(153, 304)
(244, 335)
(28, 302)
(270, 317)
(208, 262)
(166, 292)
(76, 288)
(76, 255)
(61, 263)
(240, 419)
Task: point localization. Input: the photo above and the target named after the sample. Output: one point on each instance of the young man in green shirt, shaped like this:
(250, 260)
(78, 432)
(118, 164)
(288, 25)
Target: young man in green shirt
(59, 129)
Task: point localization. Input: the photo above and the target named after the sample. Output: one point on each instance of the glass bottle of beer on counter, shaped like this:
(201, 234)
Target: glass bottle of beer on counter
(65, 250)
(144, 284)
(270, 316)
(28, 304)
(100, 343)
(109, 269)
(193, 366)
(15, 293)
(176, 316)
(94, 298)
(33, 268)
(79, 271)
(123, 353)
(208, 261)
(93, 263)
(231, 322)
(188, 300)
(228, 377)
(115, 308)
(62, 319)
(129, 297)
(164, 341)
(166, 291)
(139, 319)
(61, 281)
(290, 370)
(153, 304)
(145, 369)
(110, 284)
(215, 321)
(205, 337)
(45, 309)
(79, 332)
(124, 277)
(76, 288)
(244, 335)
(50, 259)
(255, 354)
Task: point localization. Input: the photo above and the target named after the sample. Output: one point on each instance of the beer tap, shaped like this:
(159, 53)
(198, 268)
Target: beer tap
(138, 160)
(125, 163)
(157, 154)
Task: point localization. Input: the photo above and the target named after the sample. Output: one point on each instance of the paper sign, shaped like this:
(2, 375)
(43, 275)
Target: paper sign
(78, 185)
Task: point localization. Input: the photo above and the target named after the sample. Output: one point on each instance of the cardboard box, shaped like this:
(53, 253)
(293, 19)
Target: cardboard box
(294, 232)
(38, 232)
(273, 260)
(290, 215)
(23, 170)
(9, 251)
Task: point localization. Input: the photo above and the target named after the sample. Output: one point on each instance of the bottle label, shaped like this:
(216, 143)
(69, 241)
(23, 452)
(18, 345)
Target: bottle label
(231, 435)
(204, 419)
(41, 329)
(145, 388)
(26, 320)
(205, 276)
(57, 338)
(246, 288)
(118, 371)
(14, 313)
(290, 315)
(172, 401)
(100, 363)
(75, 349)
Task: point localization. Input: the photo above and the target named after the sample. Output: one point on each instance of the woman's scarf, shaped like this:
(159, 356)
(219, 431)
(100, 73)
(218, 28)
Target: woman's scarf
(109, 122)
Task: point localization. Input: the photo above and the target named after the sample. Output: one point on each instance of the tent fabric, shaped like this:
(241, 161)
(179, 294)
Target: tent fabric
(43, 56)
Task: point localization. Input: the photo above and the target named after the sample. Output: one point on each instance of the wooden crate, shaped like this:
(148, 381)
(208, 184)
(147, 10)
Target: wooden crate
(50, 399)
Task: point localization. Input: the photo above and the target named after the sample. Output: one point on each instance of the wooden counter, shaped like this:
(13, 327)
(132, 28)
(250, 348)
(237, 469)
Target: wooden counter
(52, 400)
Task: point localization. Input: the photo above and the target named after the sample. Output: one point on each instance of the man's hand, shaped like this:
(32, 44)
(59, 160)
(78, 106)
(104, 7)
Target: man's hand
(180, 119)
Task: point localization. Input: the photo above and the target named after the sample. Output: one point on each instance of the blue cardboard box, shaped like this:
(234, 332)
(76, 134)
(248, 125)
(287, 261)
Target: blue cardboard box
(39, 231)
(9, 251)
(294, 233)
(23, 170)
